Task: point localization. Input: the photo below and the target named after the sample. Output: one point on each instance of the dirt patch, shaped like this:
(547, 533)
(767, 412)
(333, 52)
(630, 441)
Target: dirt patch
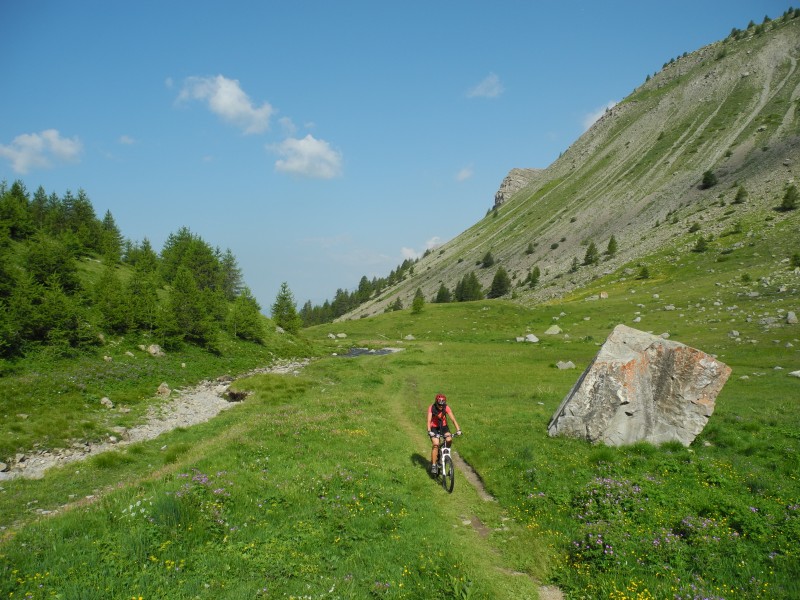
(472, 477)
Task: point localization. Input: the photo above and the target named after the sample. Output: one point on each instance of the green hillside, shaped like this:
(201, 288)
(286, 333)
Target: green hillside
(730, 109)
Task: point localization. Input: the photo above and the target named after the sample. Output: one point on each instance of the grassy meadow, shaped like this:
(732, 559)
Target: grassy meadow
(316, 486)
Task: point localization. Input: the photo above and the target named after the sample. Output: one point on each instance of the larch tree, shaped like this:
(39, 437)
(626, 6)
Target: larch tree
(284, 311)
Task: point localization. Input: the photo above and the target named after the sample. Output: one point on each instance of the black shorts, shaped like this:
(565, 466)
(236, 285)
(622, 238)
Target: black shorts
(440, 430)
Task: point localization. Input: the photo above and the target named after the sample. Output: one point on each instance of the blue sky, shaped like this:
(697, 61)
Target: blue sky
(320, 141)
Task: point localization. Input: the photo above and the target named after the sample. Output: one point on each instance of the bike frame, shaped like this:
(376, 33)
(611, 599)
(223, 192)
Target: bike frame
(443, 451)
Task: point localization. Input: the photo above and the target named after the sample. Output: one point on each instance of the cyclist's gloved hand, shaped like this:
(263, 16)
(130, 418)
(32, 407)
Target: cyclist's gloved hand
(430, 433)
(458, 432)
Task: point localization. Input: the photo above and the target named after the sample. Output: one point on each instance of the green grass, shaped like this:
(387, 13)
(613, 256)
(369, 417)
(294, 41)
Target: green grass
(315, 485)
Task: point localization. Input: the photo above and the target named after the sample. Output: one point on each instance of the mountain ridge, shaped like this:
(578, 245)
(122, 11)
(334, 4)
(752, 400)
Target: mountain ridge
(731, 108)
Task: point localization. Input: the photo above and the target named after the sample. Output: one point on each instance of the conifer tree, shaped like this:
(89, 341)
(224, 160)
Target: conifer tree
(611, 250)
(501, 284)
(142, 299)
(111, 240)
(244, 318)
(418, 303)
(443, 295)
(533, 277)
(592, 256)
(186, 306)
(110, 301)
(284, 311)
(790, 198)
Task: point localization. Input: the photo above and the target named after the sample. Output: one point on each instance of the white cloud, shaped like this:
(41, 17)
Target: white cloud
(593, 116)
(411, 254)
(226, 98)
(32, 150)
(126, 140)
(464, 174)
(490, 87)
(308, 157)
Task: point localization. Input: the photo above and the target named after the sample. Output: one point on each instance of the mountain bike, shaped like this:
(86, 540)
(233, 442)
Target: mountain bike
(445, 471)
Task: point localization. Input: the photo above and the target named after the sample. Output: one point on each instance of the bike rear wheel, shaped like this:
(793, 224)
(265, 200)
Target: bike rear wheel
(448, 474)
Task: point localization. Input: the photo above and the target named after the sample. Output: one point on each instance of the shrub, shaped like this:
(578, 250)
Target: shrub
(790, 198)
(709, 180)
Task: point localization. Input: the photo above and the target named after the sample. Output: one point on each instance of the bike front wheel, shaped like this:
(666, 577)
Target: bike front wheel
(448, 474)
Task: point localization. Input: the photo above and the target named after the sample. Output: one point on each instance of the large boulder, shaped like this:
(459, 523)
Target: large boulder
(641, 387)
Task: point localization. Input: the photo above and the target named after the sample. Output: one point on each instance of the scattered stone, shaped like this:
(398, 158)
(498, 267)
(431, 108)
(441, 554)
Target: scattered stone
(603, 295)
(410, 338)
(553, 330)
(641, 387)
(341, 336)
(791, 318)
(669, 307)
(107, 358)
(106, 402)
(3, 467)
(530, 338)
(565, 365)
(129, 354)
(279, 330)
(163, 389)
(331, 336)
(155, 350)
(794, 374)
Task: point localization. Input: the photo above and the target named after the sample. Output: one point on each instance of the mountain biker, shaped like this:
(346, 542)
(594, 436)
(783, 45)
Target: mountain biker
(438, 412)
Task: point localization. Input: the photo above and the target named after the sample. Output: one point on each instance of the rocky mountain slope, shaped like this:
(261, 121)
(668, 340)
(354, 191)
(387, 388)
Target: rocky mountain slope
(729, 111)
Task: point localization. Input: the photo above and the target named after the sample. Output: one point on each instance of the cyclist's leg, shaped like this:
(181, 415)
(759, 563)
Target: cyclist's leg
(448, 437)
(434, 449)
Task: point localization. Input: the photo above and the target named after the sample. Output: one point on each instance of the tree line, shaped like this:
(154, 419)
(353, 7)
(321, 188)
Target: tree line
(67, 278)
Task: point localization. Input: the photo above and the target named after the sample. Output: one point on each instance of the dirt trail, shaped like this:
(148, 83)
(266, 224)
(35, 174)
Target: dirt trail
(546, 592)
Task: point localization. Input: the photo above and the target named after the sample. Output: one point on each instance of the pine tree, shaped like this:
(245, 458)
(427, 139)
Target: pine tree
(244, 319)
(592, 256)
(142, 299)
(48, 257)
(790, 198)
(611, 250)
(501, 284)
(284, 311)
(488, 260)
(533, 277)
(231, 276)
(468, 289)
(709, 180)
(187, 308)
(418, 303)
(443, 295)
(741, 195)
(110, 301)
(111, 240)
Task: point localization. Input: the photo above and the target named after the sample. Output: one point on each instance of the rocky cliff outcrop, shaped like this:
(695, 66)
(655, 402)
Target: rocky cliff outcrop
(514, 182)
